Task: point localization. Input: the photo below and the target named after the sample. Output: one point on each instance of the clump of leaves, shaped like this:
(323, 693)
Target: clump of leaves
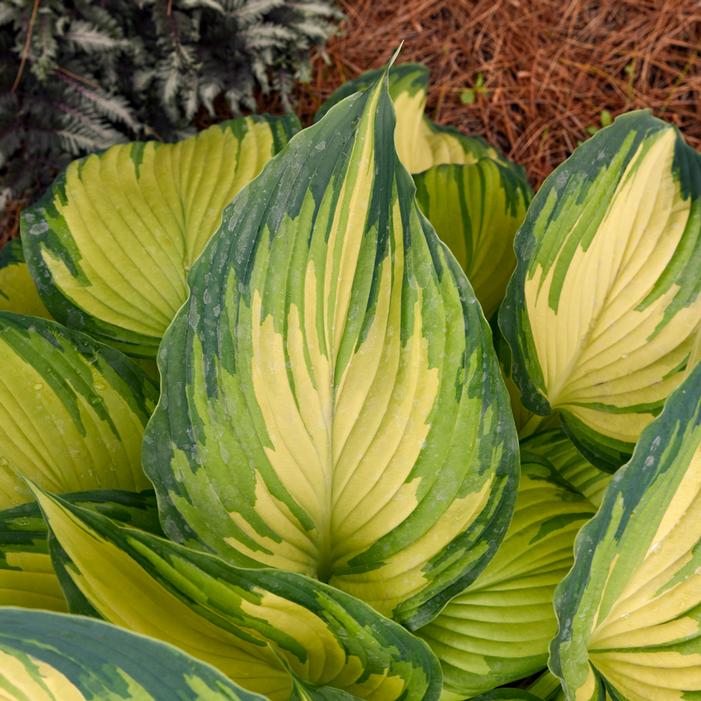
(326, 496)
(78, 76)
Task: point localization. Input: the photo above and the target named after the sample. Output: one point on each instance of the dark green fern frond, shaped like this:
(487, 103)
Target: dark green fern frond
(79, 75)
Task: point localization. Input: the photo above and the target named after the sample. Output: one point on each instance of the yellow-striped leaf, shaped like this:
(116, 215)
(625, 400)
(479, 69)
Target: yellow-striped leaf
(18, 293)
(629, 612)
(498, 629)
(52, 657)
(561, 453)
(695, 355)
(332, 404)
(420, 143)
(474, 198)
(27, 576)
(265, 629)
(476, 210)
(527, 422)
(72, 412)
(111, 241)
(604, 305)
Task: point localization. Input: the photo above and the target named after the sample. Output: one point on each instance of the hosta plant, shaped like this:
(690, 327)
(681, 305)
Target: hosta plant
(320, 490)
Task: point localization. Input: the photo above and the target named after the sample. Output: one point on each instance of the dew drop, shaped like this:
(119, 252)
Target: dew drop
(38, 386)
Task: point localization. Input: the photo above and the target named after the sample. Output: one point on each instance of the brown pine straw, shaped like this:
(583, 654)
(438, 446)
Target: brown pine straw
(550, 67)
(9, 220)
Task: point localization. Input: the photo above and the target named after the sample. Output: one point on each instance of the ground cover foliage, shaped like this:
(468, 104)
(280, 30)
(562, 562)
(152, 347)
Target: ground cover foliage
(79, 76)
(350, 412)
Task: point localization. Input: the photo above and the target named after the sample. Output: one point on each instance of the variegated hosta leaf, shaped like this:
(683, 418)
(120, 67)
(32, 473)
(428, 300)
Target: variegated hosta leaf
(332, 404)
(52, 657)
(27, 577)
(695, 355)
(111, 241)
(72, 412)
(558, 449)
(18, 293)
(420, 143)
(629, 612)
(498, 629)
(262, 628)
(604, 304)
(476, 210)
(474, 198)
(526, 421)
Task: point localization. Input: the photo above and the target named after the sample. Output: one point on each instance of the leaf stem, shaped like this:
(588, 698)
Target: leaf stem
(25, 48)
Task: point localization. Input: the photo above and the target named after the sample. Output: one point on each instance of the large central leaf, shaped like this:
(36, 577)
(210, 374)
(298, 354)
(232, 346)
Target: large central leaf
(332, 404)
(420, 143)
(473, 197)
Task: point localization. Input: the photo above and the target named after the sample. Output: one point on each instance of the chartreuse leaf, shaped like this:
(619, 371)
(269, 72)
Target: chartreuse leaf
(267, 630)
(111, 241)
(27, 577)
(476, 210)
(604, 305)
(18, 293)
(53, 657)
(629, 612)
(332, 404)
(558, 449)
(420, 143)
(498, 629)
(72, 412)
(547, 686)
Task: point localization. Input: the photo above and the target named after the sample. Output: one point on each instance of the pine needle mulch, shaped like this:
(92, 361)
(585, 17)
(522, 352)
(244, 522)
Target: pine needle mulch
(551, 71)
(9, 220)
